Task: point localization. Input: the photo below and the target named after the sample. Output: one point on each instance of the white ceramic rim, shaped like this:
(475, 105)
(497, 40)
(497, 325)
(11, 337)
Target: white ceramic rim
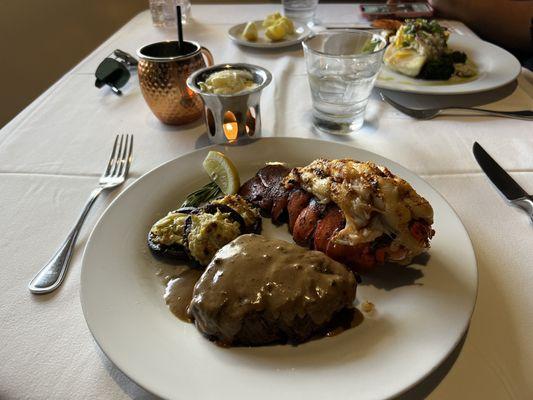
(271, 45)
(501, 57)
(140, 379)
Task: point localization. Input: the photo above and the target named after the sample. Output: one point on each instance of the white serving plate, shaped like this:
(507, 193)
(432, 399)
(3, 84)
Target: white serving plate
(422, 311)
(301, 31)
(497, 67)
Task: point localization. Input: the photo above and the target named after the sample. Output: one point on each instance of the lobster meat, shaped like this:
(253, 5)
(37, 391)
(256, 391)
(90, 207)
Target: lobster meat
(315, 224)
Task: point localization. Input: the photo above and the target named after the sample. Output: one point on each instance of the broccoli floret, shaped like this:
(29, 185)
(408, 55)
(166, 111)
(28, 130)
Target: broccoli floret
(420, 24)
(433, 26)
(440, 69)
(458, 57)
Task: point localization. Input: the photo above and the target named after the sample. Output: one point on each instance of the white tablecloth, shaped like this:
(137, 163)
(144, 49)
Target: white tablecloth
(51, 154)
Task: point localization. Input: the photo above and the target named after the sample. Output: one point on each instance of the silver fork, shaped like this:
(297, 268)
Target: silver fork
(50, 277)
(433, 112)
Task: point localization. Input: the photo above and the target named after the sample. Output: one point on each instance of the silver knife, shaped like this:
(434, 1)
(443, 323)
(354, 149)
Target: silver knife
(503, 181)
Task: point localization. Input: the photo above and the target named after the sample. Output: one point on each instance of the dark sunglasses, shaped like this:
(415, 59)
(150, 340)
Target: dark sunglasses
(114, 72)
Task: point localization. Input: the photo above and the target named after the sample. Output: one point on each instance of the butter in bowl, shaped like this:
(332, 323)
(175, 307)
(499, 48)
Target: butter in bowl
(229, 82)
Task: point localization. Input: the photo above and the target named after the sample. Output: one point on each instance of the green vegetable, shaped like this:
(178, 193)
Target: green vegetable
(433, 26)
(414, 25)
(440, 69)
(371, 45)
(202, 195)
(458, 57)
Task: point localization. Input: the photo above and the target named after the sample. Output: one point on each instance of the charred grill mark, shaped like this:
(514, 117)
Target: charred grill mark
(382, 241)
(320, 173)
(267, 191)
(421, 231)
(224, 209)
(173, 251)
(292, 180)
(186, 230)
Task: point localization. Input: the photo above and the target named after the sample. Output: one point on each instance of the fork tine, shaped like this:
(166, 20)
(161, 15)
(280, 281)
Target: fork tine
(112, 159)
(413, 113)
(124, 149)
(117, 157)
(121, 156)
(397, 106)
(129, 157)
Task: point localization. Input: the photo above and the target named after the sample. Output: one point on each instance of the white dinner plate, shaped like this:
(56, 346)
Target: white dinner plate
(421, 311)
(497, 67)
(301, 31)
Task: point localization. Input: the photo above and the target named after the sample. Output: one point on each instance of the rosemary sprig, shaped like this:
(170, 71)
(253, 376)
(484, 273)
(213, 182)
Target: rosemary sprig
(202, 195)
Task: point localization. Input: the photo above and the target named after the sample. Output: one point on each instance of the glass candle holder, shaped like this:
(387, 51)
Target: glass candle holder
(230, 117)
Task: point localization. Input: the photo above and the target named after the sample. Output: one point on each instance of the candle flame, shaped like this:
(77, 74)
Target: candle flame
(231, 130)
(230, 126)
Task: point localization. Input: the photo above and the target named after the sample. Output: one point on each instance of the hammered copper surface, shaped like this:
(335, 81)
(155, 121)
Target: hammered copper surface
(164, 89)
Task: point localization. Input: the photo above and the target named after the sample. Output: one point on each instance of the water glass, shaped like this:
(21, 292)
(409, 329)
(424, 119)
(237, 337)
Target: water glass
(164, 12)
(342, 66)
(300, 10)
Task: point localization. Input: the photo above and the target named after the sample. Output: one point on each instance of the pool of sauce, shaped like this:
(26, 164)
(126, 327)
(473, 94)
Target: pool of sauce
(178, 293)
(344, 320)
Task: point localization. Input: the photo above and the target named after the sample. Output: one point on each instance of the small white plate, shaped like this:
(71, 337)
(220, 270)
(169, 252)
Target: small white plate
(422, 311)
(496, 67)
(301, 31)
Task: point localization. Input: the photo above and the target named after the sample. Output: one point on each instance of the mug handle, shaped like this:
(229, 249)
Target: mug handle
(207, 56)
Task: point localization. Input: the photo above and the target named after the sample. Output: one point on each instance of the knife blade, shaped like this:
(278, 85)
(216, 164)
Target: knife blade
(501, 179)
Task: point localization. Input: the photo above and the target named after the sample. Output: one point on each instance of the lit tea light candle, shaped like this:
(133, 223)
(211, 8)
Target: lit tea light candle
(231, 130)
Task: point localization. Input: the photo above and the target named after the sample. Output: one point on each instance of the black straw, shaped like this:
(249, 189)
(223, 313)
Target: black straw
(180, 30)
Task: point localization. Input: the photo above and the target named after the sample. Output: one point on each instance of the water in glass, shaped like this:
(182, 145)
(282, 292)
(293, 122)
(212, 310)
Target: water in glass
(157, 9)
(300, 10)
(340, 91)
(164, 12)
(342, 72)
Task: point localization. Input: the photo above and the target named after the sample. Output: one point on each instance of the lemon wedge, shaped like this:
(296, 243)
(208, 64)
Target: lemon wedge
(289, 25)
(222, 171)
(271, 19)
(276, 31)
(250, 32)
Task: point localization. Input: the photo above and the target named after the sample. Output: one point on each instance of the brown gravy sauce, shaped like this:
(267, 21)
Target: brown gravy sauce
(180, 282)
(178, 293)
(346, 319)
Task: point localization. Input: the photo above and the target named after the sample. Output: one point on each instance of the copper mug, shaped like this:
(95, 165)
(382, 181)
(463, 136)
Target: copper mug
(163, 71)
